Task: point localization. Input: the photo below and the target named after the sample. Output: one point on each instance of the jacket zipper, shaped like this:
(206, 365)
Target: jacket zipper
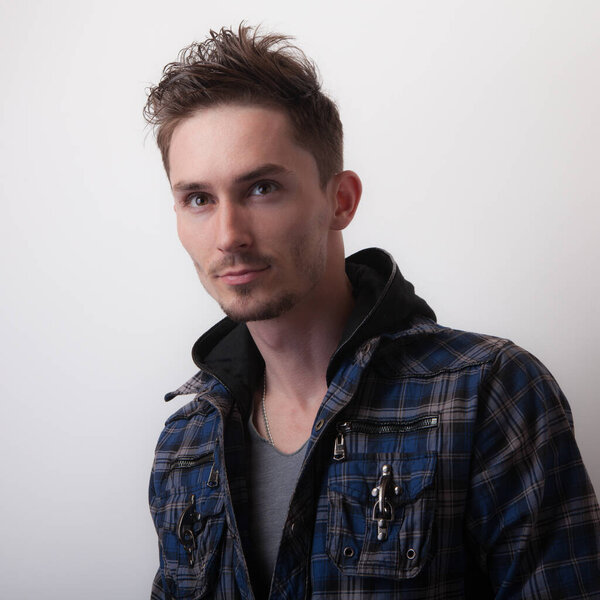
(189, 462)
(378, 427)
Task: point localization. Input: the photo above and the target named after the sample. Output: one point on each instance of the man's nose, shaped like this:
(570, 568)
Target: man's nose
(233, 232)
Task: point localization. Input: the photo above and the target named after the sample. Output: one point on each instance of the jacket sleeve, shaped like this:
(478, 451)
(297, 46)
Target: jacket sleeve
(532, 515)
(158, 592)
(158, 589)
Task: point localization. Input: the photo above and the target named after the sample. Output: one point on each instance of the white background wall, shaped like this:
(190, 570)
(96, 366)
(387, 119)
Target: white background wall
(475, 127)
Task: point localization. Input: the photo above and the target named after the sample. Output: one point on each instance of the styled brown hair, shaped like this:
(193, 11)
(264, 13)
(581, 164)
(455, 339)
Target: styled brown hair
(249, 68)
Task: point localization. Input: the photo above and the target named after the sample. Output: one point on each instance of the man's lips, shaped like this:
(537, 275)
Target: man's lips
(241, 276)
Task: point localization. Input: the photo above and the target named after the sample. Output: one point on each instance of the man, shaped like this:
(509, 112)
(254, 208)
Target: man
(341, 443)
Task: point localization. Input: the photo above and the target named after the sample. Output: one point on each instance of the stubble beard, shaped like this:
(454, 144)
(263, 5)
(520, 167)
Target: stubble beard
(243, 309)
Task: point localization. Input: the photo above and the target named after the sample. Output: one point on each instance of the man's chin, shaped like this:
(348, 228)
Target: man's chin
(244, 310)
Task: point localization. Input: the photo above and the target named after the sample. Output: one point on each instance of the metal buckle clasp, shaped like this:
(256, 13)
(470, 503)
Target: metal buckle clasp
(383, 511)
(185, 529)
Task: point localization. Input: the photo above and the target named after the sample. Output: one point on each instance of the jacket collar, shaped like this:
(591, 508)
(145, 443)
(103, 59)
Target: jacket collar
(385, 302)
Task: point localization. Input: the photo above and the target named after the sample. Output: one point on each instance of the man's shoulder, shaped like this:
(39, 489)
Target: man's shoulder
(427, 348)
(488, 367)
(200, 386)
(193, 408)
(196, 420)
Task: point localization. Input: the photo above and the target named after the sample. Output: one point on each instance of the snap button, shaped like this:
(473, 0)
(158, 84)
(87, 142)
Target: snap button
(319, 424)
(348, 552)
(410, 554)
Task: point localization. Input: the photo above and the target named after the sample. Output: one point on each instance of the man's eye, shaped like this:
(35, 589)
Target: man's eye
(263, 188)
(195, 200)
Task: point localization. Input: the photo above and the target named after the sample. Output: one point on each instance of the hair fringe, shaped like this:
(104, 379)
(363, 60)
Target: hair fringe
(245, 65)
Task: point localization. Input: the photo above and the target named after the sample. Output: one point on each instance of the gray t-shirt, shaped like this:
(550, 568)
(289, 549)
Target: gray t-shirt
(272, 480)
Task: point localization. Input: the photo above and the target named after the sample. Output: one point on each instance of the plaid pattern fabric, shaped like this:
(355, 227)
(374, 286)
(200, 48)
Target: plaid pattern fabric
(485, 494)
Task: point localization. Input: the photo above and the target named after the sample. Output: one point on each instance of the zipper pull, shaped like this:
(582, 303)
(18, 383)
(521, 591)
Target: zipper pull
(213, 478)
(339, 447)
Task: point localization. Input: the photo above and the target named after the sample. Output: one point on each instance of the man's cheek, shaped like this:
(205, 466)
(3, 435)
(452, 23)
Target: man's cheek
(191, 244)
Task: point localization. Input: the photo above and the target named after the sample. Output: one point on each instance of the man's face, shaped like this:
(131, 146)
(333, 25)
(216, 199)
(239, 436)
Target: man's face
(250, 210)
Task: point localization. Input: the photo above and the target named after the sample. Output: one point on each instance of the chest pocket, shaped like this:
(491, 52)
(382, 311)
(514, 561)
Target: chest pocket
(381, 514)
(190, 520)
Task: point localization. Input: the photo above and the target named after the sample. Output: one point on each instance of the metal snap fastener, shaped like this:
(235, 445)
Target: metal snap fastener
(348, 552)
(411, 554)
(292, 527)
(319, 424)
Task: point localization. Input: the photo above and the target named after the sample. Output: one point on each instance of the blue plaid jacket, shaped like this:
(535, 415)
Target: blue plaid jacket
(442, 464)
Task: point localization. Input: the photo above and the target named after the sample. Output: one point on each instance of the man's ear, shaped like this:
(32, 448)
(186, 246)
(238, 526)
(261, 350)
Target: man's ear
(346, 190)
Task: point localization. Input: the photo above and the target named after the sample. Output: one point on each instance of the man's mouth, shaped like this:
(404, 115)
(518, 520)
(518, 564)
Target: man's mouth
(241, 276)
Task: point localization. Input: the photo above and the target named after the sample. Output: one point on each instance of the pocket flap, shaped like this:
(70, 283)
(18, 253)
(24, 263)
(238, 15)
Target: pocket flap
(357, 478)
(416, 475)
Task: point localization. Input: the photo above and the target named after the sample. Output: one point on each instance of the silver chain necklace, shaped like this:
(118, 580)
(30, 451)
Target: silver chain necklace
(264, 410)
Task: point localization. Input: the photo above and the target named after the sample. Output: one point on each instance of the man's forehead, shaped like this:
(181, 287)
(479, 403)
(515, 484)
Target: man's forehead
(235, 123)
(233, 139)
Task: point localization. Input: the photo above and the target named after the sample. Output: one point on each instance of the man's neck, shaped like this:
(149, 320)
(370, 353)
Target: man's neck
(296, 348)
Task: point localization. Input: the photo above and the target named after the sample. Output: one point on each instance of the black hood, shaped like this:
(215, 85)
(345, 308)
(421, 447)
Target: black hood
(385, 302)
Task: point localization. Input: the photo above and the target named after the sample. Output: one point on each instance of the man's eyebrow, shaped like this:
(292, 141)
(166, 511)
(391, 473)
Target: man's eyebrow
(262, 171)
